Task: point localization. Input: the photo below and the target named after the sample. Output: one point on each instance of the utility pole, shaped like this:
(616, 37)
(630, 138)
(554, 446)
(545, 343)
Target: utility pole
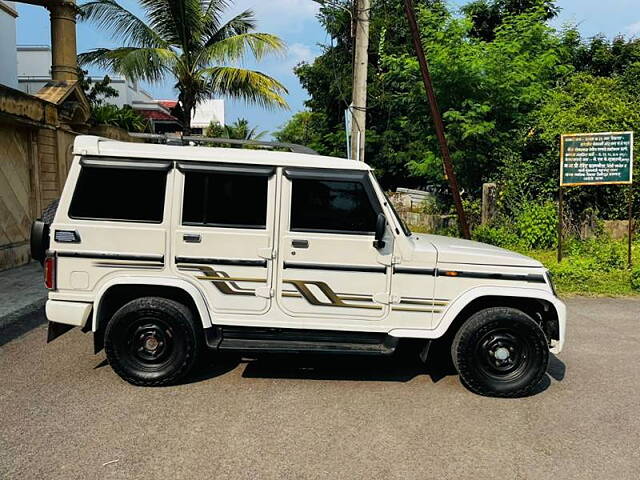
(361, 60)
(437, 118)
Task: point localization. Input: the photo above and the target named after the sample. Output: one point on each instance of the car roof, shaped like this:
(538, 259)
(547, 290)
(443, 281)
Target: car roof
(88, 145)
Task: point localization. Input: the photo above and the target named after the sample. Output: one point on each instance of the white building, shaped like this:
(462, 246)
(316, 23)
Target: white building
(8, 61)
(206, 112)
(34, 71)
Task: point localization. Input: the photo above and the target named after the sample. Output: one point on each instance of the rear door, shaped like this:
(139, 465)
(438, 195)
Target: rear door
(223, 237)
(113, 215)
(329, 270)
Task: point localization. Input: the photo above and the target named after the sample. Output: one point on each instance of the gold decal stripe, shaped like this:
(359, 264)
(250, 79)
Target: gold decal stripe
(334, 299)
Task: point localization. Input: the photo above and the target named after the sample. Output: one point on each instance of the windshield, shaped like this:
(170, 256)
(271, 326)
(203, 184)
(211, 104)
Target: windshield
(403, 225)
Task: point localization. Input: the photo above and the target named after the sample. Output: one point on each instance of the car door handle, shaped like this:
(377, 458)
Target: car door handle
(191, 238)
(300, 243)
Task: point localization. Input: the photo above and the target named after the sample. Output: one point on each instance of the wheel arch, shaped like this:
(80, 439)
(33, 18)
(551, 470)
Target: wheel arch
(540, 304)
(116, 292)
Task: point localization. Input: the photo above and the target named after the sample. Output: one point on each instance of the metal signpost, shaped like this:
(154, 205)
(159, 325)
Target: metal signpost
(595, 159)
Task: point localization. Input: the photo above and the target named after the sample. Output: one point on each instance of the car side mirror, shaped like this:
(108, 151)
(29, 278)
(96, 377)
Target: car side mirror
(381, 228)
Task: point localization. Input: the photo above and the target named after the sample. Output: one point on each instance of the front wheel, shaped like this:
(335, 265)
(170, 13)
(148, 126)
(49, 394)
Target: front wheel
(152, 341)
(500, 352)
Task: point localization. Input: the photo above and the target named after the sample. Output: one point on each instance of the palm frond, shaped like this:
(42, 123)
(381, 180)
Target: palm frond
(249, 85)
(234, 48)
(242, 23)
(212, 11)
(181, 22)
(150, 64)
(120, 23)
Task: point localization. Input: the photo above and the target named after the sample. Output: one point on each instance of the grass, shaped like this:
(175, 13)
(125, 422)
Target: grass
(584, 275)
(595, 267)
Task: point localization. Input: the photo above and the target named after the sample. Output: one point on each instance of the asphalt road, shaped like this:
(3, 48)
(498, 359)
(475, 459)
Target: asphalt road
(64, 414)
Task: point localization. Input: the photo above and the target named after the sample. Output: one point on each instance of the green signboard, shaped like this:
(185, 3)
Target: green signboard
(596, 158)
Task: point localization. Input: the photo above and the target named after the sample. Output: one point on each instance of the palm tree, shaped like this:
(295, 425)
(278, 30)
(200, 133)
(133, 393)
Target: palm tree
(187, 40)
(241, 130)
(238, 130)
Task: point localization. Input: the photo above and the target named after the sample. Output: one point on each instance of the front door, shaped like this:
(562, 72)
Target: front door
(329, 270)
(223, 235)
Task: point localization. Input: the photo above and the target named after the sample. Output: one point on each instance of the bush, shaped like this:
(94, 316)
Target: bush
(498, 236)
(536, 225)
(125, 117)
(635, 278)
(574, 271)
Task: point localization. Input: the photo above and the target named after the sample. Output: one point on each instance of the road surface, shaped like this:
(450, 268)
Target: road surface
(64, 414)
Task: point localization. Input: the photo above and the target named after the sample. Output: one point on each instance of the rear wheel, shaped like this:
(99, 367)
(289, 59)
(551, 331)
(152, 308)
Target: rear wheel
(152, 341)
(500, 352)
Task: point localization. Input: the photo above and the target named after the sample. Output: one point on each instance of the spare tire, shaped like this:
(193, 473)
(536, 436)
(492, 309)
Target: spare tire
(39, 240)
(40, 232)
(49, 213)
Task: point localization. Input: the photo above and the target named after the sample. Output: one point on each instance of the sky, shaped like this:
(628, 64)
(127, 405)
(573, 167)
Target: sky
(296, 23)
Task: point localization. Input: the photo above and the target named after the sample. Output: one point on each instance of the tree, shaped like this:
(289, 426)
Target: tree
(583, 103)
(96, 91)
(238, 130)
(187, 40)
(488, 15)
(304, 128)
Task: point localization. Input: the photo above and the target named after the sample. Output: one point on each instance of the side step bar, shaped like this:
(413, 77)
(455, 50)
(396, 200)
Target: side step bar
(282, 340)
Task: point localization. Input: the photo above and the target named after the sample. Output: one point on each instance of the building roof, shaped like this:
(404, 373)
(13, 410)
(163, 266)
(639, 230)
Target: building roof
(91, 145)
(157, 115)
(168, 104)
(56, 92)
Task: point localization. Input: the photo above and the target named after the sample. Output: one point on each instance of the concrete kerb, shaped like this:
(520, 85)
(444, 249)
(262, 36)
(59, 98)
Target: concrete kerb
(22, 292)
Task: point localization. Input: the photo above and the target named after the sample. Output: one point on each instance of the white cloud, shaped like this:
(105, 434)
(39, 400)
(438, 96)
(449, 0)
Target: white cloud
(633, 29)
(299, 52)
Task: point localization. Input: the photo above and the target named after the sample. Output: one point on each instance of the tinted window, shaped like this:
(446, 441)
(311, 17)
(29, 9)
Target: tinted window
(225, 199)
(119, 194)
(332, 206)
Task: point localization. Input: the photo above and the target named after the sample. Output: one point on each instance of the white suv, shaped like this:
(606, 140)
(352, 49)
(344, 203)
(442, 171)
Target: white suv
(162, 251)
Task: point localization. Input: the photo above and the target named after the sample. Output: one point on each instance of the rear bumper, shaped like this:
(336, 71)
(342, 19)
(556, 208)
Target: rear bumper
(68, 313)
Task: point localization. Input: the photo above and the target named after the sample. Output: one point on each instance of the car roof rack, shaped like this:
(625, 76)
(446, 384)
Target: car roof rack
(169, 139)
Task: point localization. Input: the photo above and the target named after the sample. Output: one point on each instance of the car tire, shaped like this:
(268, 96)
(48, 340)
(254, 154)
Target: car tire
(49, 213)
(39, 238)
(500, 352)
(152, 341)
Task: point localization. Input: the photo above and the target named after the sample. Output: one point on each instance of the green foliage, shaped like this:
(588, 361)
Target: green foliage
(500, 236)
(584, 103)
(96, 91)
(605, 255)
(488, 15)
(189, 42)
(635, 278)
(304, 128)
(536, 225)
(214, 130)
(507, 84)
(238, 130)
(124, 117)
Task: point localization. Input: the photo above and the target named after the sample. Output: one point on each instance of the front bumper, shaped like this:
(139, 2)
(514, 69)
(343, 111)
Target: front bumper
(561, 311)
